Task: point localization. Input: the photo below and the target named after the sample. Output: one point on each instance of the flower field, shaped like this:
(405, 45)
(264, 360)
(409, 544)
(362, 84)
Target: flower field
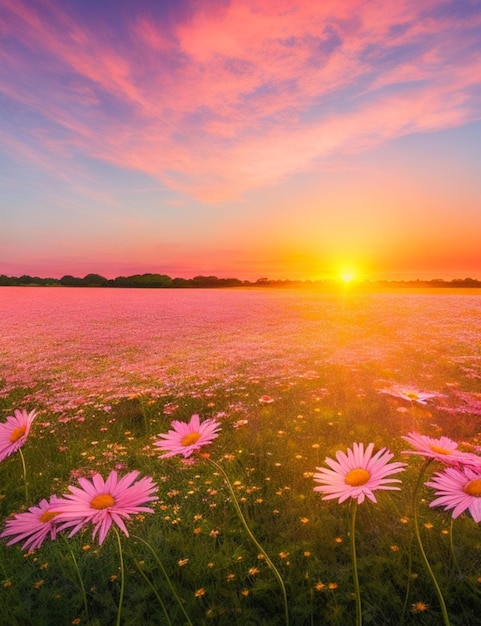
(245, 457)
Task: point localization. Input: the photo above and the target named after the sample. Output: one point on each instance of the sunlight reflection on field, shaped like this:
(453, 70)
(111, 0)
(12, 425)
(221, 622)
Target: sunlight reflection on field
(73, 346)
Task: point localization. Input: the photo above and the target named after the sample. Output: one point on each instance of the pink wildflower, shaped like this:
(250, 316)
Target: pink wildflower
(412, 395)
(358, 474)
(33, 525)
(266, 400)
(104, 502)
(186, 438)
(442, 449)
(458, 489)
(14, 432)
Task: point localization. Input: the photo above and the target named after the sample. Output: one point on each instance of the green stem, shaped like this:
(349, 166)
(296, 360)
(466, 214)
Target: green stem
(253, 539)
(77, 569)
(354, 564)
(162, 568)
(82, 586)
(451, 545)
(154, 591)
(420, 543)
(24, 474)
(122, 576)
(408, 586)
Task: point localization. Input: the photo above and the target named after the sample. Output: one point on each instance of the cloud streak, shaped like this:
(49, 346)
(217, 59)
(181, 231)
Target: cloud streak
(221, 98)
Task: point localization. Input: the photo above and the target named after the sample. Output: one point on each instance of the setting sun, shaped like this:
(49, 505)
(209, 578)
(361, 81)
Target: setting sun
(347, 275)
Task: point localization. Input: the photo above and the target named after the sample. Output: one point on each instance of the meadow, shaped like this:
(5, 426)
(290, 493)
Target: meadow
(238, 532)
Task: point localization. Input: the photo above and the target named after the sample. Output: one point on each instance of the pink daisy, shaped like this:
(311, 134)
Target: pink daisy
(104, 502)
(412, 395)
(442, 449)
(458, 489)
(14, 432)
(34, 525)
(358, 474)
(186, 438)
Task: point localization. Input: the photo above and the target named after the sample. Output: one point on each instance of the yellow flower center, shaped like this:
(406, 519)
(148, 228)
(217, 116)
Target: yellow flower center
(47, 516)
(412, 395)
(102, 501)
(439, 450)
(190, 439)
(17, 433)
(473, 488)
(357, 477)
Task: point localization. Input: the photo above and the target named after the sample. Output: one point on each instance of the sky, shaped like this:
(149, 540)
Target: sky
(287, 139)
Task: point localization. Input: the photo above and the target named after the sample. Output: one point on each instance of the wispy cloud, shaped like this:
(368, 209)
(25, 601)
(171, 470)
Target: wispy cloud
(222, 98)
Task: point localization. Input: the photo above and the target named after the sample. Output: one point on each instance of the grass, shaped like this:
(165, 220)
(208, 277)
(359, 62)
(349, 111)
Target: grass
(193, 560)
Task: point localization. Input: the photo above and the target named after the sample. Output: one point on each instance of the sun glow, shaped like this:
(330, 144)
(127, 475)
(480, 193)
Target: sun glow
(347, 275)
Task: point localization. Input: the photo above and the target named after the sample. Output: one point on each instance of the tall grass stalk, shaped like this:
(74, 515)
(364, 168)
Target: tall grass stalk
(169, 582)
(451, 546)
(155, 592)
(357, 590)
(122, 576)
(82, 586)
(419, 481)
(24, 474)
(253, 539)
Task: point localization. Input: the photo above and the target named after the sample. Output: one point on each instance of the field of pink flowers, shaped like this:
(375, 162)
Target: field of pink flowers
(73, 347)
(264, 403)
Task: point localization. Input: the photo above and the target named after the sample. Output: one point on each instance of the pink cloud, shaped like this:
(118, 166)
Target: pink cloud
(241, 96)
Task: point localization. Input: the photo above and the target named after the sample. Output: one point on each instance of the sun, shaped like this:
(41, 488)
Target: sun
(347, 275)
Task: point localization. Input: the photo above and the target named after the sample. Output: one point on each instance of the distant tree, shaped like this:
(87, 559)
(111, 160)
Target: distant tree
(6, 281)
(71, 281)
(94, 280)
(182, 283)
(205, 281)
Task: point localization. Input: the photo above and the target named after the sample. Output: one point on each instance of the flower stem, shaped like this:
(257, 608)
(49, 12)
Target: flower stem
(253, 539)
(154, 591)
(82, 586)
(451, 546)
(420, 543)
(354, 563)
(162, 568)
(122, 577)
(77, 569)
(24, 474)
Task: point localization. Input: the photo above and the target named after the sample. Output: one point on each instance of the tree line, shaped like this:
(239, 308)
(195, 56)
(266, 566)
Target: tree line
(162, 281)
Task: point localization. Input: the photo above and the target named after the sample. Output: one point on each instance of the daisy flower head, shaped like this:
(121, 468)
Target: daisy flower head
(458, 489)
(185, 438)
(104, 502)
(33, 525)
(443, 449)
(410, 394)
(358, 474)
(14, 432)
